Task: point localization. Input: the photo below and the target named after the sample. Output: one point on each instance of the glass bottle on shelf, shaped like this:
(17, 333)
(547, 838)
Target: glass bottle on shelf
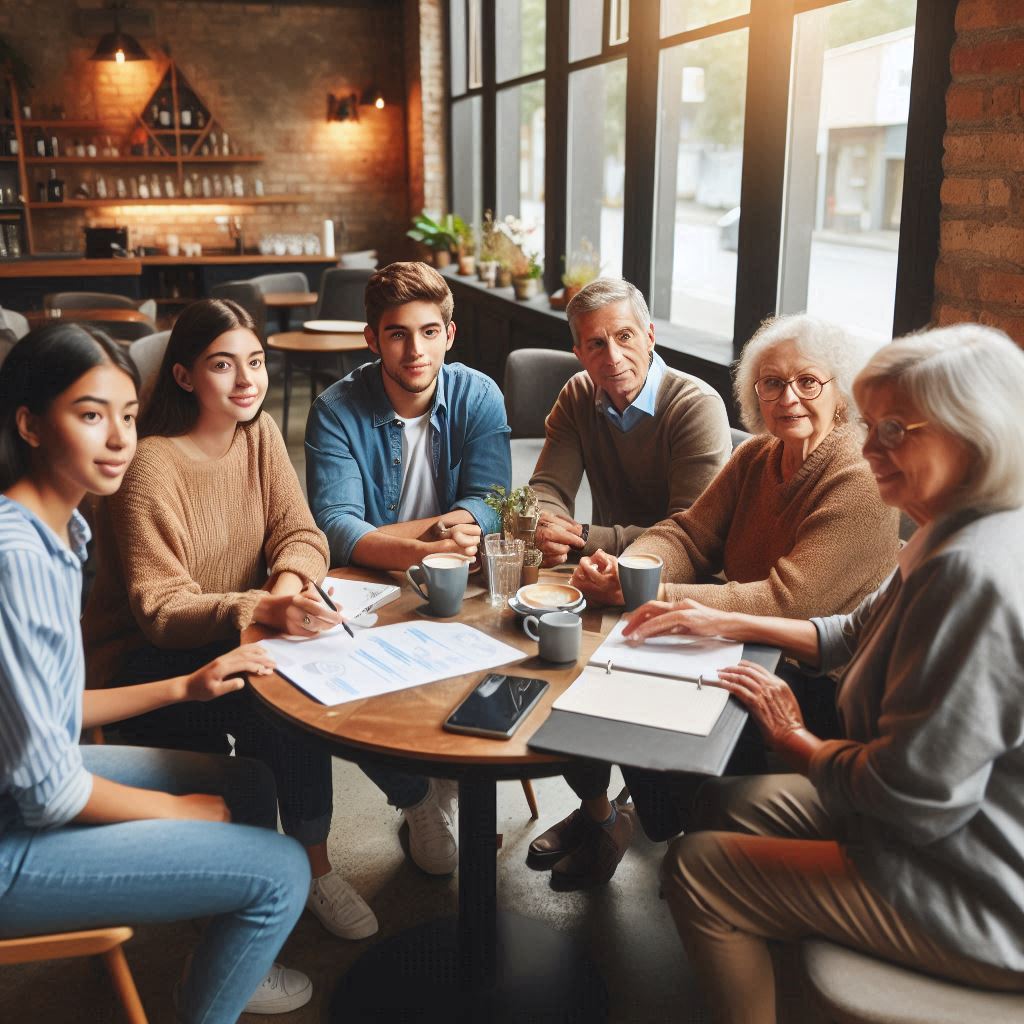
(101, 188)
(154, 113)
(164, 111)
(55, 188)
(14, 148)
(54, 145)
(121, 188)
(39, 143)
(186, 112)
(218, 187)
(207, 187)
(90, 149)
(200, 117)
(169, 187)
(154, 187)
(187, 188)
(133, 188)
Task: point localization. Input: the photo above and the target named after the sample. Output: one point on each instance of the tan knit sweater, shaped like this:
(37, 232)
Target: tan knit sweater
(813, 545)
(185, 546)
(637, 478)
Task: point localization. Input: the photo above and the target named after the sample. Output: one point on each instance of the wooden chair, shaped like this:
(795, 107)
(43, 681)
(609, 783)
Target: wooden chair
(104, 942)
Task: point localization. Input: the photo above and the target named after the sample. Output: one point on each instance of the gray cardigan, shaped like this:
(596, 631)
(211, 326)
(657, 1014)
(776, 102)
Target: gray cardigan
(928, 786)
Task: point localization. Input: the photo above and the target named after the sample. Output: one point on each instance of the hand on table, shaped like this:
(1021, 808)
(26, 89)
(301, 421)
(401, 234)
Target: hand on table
(686, 617)
(460, 539)
(767, 697)
(301, 614)
(597, 577)
(224, 674)
(556, 536)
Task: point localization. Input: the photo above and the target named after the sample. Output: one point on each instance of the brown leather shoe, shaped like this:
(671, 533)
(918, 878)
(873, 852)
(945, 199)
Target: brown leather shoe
(558, 841)
(595, 861)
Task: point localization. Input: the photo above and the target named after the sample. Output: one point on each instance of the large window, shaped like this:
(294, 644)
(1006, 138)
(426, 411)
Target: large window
(733, 158)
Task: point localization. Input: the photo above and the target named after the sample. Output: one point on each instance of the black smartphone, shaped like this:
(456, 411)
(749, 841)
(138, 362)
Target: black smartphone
(497, 706)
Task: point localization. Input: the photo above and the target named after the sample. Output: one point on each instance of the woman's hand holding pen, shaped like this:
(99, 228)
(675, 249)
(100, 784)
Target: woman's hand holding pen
(301, 614)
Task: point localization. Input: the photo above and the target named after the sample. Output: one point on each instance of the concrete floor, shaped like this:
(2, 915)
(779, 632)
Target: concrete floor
(624, 927)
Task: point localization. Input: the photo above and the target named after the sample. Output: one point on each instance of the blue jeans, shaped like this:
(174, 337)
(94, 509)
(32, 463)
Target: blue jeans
(401, 789)
(250, 880)
(302, 772)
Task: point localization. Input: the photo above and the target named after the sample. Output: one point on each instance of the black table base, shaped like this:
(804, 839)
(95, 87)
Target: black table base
(541, 977)
(483, 966)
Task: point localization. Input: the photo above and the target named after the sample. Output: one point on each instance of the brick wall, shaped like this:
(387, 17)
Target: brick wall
(264, 72)
(980, 273)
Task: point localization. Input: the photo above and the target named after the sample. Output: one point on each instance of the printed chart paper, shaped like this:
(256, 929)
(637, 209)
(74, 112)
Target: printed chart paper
(335, 668)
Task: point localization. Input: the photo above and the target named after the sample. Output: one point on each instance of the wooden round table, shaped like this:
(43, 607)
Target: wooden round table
(482, 966)
(42, 317)
(284, 302)
(311, 347)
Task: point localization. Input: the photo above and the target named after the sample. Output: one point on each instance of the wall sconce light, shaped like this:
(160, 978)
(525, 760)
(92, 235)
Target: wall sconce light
(342, 108)
(373, 97)
(117, 45)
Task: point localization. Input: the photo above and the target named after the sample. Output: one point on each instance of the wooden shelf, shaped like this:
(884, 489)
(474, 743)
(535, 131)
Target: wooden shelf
(138, 159)
(178, 201)
(63, 123)
(8, 159)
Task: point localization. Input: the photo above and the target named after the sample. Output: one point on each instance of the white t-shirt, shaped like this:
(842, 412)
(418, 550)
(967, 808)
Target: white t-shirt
(419, 491)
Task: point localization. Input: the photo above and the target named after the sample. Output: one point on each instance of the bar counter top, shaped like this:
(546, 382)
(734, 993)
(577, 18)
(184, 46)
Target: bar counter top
(77, 266)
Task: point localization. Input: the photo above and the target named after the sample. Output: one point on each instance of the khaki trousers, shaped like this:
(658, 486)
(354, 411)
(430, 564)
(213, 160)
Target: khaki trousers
(777, 873)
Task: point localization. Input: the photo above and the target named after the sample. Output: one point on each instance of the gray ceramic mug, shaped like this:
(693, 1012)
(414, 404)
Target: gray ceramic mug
(640, 579)
(559, 635)
(445, 577)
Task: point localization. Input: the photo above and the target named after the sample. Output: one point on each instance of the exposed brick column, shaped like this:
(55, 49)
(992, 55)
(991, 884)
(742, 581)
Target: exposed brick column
(980, 273)
(426, 111)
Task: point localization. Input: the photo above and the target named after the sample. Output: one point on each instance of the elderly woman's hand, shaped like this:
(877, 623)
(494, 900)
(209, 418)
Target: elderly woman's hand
(686, 617)
(597, 578)
(767, 697)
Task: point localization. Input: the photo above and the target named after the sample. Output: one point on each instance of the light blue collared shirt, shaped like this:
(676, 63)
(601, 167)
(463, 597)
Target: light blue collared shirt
(42, 675)
(641, 406)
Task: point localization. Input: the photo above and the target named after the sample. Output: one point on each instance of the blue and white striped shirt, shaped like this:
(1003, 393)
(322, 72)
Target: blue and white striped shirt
(42, 675)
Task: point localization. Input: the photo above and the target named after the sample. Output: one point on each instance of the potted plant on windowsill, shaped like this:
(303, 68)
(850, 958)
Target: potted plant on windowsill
(437, 235)
(581, 267)
(487, 264)
(519, 512)
(526, 277)
(466, 244)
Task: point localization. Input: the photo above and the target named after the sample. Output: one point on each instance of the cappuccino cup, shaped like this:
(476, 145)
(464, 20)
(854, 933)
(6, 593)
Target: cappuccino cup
(558, 633)
(640, 578)
(445, 577)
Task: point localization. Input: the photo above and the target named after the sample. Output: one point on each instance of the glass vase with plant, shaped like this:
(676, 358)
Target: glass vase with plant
(582, 266)
(466, 244)
(519, 511)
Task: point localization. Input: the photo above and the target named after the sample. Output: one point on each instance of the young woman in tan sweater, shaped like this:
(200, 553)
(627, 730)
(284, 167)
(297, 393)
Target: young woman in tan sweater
(796, 527)
(209, 534)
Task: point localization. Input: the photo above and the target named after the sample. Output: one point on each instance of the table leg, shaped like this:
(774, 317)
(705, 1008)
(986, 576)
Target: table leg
(287, 394)
(486, 966)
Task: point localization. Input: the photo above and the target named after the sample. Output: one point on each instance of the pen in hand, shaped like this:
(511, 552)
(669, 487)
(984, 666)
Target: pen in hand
(330, 604)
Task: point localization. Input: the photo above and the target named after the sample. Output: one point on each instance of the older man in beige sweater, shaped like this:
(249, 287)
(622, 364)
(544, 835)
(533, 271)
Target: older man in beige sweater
(649, 438)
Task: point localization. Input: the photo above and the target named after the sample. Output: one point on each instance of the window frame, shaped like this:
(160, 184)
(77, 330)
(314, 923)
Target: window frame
(770, 27)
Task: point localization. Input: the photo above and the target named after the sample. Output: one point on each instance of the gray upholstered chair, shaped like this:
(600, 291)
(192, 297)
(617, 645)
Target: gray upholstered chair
(274, 284)
(364, 259)
(738, 437)
(14, 322)
(147, 354)
(98, 300)
(7, 342)
(249, 297)
(533, 379)
(341, 294)
(853, 988)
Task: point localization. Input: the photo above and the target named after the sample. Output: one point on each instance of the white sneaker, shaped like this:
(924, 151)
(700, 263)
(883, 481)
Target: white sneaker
(432, 832)
(281, 991)
(448, 795)
(340, 909)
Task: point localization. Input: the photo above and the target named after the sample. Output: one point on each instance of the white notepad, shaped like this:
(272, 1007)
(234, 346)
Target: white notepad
(654, 682)
(355, 598)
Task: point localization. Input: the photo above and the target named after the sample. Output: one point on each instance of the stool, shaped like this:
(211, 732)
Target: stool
(105, 942)
(854, 988)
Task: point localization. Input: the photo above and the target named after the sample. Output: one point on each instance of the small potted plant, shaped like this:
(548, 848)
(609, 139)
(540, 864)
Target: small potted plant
(466, 244)
(437, 235)
(526, 276)
(519, 512)
(581, 267)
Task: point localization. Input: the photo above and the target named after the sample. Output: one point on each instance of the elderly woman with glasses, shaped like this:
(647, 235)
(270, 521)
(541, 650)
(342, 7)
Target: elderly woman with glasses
(905, 837)
(794, 525)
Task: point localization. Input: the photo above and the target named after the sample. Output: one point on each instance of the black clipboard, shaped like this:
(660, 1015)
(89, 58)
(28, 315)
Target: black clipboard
(642, 746)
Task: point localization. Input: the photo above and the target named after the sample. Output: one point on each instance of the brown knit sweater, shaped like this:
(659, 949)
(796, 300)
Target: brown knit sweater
(185, 546)
(812, 545)
(637, 478)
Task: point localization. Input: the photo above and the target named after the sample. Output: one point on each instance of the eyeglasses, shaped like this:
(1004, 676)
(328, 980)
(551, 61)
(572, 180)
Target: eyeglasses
(806, 386)
(891, 433)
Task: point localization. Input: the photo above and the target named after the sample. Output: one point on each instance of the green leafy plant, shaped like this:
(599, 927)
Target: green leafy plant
(582, 266)
(441, 234)
(520, 501)
(465, 237)
(529, 266)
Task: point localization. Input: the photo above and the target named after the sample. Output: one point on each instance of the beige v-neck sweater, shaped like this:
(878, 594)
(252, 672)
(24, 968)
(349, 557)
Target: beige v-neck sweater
(185, 546)
(811, 545)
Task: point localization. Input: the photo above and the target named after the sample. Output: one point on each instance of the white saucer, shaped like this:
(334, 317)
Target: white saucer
(523, 609)
(335, 326)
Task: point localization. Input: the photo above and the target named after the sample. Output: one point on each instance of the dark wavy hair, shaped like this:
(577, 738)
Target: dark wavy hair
(170, 410)
(41, 366)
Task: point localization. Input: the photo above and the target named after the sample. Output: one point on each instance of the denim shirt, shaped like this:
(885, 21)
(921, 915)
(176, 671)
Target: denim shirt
(354, 452)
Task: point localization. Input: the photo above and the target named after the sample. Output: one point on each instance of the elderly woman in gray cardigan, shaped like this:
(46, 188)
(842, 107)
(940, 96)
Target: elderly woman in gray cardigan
(905, 838)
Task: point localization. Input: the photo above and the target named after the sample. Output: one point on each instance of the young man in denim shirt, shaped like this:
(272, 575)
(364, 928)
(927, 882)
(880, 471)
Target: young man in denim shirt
(399, 457)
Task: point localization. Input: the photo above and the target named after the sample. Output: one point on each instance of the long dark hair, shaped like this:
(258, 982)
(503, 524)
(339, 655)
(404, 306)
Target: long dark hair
(43, 365)
(170, 410)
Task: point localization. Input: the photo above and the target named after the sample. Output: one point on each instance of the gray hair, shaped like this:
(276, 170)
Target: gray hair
(826, 344)
(966, 380)
(603, 292)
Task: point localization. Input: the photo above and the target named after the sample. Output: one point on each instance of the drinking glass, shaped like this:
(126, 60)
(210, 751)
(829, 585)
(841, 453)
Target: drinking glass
(504, 561)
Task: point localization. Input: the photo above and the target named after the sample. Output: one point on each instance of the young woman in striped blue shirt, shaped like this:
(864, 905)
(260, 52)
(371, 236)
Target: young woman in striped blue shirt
(100, 835)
